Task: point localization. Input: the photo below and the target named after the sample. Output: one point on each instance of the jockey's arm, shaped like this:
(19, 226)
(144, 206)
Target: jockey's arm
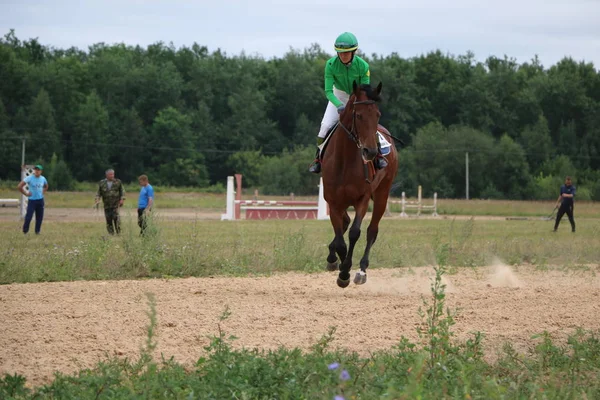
(329, 86)
(365, 79)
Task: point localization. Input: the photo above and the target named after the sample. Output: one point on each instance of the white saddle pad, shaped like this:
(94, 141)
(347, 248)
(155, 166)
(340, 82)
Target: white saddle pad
(383, 141)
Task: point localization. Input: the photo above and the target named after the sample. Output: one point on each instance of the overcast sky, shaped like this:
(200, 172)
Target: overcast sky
(551, 29)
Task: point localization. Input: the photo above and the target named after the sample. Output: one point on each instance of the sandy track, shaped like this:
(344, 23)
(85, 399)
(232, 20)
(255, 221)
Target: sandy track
(71, 325)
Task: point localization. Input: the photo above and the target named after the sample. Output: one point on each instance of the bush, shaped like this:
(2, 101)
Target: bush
(59, 175)
(545, 187)
(287, 173)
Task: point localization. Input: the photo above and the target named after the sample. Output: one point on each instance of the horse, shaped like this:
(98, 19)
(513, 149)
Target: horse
(350, 179)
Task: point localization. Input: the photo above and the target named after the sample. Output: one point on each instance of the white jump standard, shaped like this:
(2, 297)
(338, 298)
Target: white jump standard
(271, 209)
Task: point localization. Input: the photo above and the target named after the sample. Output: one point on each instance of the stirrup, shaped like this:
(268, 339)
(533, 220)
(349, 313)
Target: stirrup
(381, 162)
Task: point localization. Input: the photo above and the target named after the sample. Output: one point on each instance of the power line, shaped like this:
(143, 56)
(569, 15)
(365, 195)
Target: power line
(121, 145)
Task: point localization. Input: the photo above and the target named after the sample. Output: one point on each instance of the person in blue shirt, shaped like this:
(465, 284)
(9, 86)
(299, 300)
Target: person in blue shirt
(145, 202)
(37, 188)
(567, 195)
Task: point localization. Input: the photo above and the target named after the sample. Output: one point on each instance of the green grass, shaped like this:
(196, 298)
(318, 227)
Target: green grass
(436, 368)
(83, 251)
(167, 197)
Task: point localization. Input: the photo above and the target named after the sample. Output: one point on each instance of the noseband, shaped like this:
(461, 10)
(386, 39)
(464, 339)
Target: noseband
(353, 131)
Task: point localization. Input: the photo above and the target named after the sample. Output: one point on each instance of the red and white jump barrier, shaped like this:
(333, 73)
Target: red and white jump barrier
(271, 209)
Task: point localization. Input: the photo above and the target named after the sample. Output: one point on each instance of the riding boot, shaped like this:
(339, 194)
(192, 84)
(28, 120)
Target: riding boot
(380, 161)
(315, 168)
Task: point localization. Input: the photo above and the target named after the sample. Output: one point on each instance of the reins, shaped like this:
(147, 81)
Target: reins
(353, 134)
(353, 131)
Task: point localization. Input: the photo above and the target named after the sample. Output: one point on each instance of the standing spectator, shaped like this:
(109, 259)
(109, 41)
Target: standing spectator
(38, 185)
(145, 202)
(112, 193)
(567, 193)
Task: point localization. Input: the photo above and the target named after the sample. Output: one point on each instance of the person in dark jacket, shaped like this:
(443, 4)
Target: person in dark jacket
(567, 195)
(112, 193)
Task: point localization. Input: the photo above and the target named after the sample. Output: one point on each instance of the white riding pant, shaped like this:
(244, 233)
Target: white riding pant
(331, 114)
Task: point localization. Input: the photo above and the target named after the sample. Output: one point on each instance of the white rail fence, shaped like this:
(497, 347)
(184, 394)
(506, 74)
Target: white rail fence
(412, 205)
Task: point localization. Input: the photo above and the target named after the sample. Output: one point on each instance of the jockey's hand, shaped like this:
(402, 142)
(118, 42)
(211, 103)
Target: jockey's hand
(341, 109)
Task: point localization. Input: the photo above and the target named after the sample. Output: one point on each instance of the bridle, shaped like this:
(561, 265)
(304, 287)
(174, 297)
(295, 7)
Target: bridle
(353, 131)
(353, 134)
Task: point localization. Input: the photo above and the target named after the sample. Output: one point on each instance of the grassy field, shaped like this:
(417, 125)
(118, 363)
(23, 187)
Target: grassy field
(74, 251)
(216, 202)
(435, 367)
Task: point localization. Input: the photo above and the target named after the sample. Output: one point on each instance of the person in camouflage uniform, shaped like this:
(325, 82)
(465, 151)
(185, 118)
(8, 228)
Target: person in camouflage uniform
(112, 193)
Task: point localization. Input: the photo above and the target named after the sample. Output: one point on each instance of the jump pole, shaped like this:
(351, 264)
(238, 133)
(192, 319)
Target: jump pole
(258, 208)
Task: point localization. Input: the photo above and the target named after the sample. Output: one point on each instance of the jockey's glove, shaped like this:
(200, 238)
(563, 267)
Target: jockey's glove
(341, 109)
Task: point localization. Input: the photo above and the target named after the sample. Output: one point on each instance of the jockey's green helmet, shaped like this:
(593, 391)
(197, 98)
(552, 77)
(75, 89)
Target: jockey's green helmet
(346, 42)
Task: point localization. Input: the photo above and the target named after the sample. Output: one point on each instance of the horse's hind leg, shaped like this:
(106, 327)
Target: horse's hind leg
(332, 264)
(379, 205)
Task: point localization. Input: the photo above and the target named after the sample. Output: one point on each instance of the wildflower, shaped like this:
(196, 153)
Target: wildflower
(344, 375)
(338, 397)
(334, 366)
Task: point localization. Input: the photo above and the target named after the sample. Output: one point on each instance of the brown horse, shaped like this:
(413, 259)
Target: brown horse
(349, 179)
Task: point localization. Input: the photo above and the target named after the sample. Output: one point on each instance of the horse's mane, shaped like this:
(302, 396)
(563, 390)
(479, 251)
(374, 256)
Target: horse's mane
(371, 93)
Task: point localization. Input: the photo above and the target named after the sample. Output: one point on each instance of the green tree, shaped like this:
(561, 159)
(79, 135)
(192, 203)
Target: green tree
(42, 127)
(305, 131)
(537, 143)
(183, 172)
(128, 154)
(249, 164)
(4, 120)
(10, 148)
(89, 144)
(174, 157)
(440, 160)
(509, 169)
(15, 85)
(286, 173)
(58, 175)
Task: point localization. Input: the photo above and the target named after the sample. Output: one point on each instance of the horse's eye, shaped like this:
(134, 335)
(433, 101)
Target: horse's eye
(359, 116)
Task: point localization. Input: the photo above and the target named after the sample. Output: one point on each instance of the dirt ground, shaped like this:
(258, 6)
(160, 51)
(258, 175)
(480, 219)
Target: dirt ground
(72, 325)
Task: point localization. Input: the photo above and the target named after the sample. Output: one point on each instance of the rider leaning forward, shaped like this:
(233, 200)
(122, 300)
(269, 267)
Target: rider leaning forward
(340, 71)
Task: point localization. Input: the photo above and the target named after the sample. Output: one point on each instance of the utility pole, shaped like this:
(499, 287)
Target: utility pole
(467, 174)
(23, 151)
(23, 199)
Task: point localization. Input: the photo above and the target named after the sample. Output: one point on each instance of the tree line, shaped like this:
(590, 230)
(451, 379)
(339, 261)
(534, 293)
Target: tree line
(190, 117)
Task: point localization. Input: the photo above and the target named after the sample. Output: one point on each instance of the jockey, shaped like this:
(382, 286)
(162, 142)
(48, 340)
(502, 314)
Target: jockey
(340, 72)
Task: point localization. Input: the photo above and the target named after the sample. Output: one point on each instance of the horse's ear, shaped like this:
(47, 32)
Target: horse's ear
(354, 86)
(379, 87)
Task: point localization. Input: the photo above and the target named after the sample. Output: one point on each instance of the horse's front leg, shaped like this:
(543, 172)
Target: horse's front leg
(332, 264)
(379, 205)
(344, 276)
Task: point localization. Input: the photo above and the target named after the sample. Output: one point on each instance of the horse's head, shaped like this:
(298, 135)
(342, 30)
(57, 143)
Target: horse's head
(363, 115)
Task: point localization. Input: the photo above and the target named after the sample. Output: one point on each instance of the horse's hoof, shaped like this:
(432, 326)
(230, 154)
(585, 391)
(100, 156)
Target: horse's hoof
(343, 283)
(332, 266)
(360, 278)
